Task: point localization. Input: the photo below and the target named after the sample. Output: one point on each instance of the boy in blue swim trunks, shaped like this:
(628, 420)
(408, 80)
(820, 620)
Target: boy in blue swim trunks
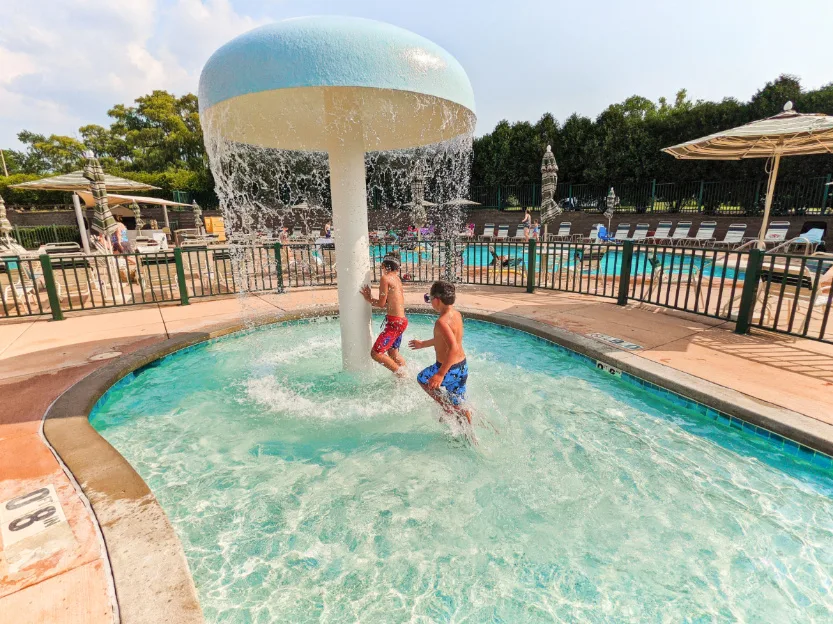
(445, 381)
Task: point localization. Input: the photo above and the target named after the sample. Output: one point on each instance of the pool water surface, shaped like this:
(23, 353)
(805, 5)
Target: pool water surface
(304, 494)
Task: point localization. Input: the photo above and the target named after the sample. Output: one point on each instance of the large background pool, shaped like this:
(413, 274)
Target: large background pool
(680, 261)
(301, 494)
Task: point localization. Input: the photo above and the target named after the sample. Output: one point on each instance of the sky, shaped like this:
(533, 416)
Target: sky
(64, 63)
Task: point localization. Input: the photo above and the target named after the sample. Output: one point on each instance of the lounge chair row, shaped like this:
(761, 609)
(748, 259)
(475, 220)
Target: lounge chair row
(667, 233)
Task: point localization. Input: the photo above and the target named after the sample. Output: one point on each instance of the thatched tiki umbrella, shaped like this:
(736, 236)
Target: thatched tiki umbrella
(5, 224)
(198, 223)
(102, 221)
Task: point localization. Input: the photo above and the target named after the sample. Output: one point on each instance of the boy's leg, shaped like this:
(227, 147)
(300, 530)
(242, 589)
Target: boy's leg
(436, 394)
(387, 343)
(396, 356)
(385, 360)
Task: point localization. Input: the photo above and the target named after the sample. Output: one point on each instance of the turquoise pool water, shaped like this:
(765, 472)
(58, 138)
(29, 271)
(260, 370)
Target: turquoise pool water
(302, 494)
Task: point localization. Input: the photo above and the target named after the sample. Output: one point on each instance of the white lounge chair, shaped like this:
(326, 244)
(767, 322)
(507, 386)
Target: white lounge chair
(704, 234)
(502, 233)
(563, 232)
(680, 232)
(593, 237)
(640, 232)
(776, 232)
(733, 237)
(622, 231)
(662, 232)
(26, 289)
(488, 232)
(519, 234)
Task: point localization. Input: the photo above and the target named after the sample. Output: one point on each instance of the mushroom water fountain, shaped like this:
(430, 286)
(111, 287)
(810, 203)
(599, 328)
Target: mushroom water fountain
(344, 86)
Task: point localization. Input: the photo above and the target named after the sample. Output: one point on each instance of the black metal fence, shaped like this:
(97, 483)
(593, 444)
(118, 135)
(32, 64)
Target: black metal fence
(32, 237)
(786, 293)
(801, 196)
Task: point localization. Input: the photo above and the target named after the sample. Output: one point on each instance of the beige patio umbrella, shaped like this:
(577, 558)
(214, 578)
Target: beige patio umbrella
(116, 200)
(74, 183)
(788, 133)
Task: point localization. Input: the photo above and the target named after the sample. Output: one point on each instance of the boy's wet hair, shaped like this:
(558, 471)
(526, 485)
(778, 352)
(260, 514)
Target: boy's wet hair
(444, 291)
(391, 261)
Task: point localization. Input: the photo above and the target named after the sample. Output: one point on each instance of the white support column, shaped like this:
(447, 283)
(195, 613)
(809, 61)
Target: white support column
(79, 217)
(349, 195)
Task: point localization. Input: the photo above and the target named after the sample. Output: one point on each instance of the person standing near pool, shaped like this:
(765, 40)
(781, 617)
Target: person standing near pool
(527, 223)
(445, 380)
(391, 297)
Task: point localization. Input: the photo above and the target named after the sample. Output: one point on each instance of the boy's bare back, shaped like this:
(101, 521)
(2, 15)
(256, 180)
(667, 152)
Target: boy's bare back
(391, 286)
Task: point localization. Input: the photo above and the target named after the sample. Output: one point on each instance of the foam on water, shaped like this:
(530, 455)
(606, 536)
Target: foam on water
(301, 493)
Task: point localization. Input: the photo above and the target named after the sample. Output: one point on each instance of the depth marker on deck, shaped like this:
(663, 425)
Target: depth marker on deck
(616, 342)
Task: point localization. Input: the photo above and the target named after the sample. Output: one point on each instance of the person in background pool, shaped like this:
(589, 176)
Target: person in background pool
(385, 350)
(445, 381)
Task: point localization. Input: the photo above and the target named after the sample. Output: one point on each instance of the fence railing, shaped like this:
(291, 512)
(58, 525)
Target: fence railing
(801, 196)
(32, 237)
(785, 293)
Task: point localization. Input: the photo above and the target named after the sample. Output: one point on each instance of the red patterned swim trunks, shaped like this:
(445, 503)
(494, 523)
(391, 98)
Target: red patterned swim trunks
(391, 336)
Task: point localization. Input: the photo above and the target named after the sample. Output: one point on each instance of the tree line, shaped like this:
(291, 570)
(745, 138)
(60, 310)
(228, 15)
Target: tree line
(623, 143)
(159, 140)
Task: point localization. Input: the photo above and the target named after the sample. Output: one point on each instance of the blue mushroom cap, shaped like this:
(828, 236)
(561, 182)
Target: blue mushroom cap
(330, 51)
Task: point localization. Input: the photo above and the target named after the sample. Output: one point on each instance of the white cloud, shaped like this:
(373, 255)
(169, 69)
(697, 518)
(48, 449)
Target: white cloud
(64, 63)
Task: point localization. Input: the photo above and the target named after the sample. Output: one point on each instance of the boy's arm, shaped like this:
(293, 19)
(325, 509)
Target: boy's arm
(381, 302)
(421, 344)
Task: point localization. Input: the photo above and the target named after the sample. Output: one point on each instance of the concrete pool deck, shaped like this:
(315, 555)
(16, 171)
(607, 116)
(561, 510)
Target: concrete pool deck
(70, 578)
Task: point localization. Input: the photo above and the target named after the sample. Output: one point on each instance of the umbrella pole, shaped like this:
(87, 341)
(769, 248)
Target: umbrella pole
(165, 212)
(79, 217)
(770, 192)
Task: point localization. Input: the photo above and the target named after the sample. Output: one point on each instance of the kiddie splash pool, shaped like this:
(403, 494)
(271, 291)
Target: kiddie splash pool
(302, 493)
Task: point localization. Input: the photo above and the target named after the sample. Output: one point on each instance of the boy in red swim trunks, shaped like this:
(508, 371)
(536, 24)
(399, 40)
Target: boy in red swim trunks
(386, 349)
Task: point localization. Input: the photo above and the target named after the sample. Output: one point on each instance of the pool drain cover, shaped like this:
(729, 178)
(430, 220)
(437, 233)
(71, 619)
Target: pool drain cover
(109, 355)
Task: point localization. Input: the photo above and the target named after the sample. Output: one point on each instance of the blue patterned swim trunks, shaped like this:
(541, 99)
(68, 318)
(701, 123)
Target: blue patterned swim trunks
(454, 381)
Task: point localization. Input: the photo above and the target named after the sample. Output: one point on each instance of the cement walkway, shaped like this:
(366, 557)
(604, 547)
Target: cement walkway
(67, 578)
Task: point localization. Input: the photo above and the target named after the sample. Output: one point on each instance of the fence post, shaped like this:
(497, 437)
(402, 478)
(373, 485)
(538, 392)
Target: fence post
(700, 197)
(826, 193)
(279, 267)
(625, 273)
(530, 267)
(653, 194)
(498, 197)
(180, 276)
(750, 291)
(51, 289)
